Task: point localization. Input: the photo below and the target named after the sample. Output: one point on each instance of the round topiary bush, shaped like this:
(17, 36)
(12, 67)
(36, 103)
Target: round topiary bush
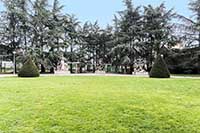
(29, 69)
(159, 69)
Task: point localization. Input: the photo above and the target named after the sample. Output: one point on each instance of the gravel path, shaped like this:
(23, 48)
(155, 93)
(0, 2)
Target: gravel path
(111, 75)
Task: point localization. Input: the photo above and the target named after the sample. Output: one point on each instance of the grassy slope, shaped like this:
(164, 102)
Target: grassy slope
(99, 104)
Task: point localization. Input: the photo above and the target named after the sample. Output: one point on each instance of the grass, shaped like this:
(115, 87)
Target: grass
(99, 105)
(187, 75)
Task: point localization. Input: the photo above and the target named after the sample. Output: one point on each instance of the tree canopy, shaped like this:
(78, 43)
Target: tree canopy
(44, 31)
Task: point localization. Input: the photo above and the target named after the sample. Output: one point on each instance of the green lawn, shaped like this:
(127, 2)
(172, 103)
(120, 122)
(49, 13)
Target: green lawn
(99, 104)
(187, 75)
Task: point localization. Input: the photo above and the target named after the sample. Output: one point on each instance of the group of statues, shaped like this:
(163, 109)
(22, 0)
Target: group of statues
(63, 67)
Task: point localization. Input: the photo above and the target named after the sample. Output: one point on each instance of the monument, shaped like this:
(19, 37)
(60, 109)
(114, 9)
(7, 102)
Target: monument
(62, 68)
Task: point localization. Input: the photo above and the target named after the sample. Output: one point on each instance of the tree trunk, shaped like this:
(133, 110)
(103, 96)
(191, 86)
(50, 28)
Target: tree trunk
(131, 69)
(198, 64)
(71, 58)
(43, 70)
(149, 66)
(15, 67)
(126, 70)
(149, 61)
(81, 69)
(52, 70)
(71, 68)
(116, 69)
(94, 69)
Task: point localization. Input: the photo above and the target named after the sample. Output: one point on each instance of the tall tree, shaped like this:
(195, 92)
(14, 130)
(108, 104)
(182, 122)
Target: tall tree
(128, 39)
(158, 32)
(189, 28)
(55, 38)
(71, 31)
(39, 29)
(14, 27)
(24, 21)
(195, 7)
(11, 17)
(95, 40)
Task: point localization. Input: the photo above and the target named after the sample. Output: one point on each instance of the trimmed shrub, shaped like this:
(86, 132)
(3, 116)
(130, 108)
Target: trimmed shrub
(29, 69)
(159, 69)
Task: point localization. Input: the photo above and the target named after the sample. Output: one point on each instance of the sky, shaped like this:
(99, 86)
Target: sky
(104, 10)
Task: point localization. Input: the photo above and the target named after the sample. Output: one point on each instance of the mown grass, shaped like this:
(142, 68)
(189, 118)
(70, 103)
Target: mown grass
(99, 105)
(187, 75)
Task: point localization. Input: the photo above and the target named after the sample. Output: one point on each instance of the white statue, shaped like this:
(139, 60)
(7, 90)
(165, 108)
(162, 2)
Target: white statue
(62, 65)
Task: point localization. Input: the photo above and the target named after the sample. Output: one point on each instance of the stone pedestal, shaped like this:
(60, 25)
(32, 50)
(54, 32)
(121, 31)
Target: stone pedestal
(100, 72)
(62, 72)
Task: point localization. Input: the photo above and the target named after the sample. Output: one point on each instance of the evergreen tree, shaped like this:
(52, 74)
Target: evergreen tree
(159, 69)
(71, 31)
(158, 32)
(39, 29)
(11, 36)
(55, 39)
(29, 69)
(195, 7)
(128, 36)
(36, 28)
(189, 28)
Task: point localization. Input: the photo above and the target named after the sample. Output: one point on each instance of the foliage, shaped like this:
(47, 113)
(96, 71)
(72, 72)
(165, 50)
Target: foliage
(95, 44)
(127, 36)
(142, 36)
(12, 21)
(159, 69)
(29, 69)
(158, 32)
(190, 27)
(72, 38)
(184, 61)
(45, 32)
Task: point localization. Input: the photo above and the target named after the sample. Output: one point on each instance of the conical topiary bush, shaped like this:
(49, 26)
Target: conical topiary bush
(29, 69)
(159, 69)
